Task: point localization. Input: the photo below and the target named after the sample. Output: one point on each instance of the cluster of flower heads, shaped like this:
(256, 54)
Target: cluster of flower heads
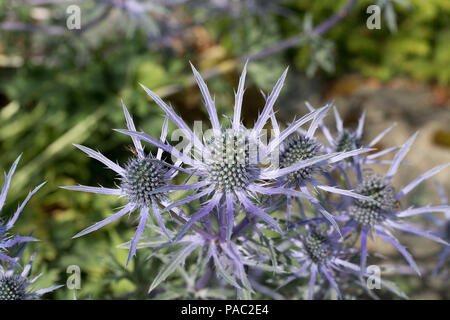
(15, 283)
(238, 209)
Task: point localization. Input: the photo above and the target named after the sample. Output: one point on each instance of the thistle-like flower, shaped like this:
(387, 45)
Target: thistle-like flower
(7, 240)
(16, 285)
(234, 164)
(142, 183)
(384, 214)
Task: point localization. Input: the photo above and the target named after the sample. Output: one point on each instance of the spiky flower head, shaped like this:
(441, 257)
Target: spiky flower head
(347, 140)
(142, 176)
(379, 189)
(298, 148)
(382, 215)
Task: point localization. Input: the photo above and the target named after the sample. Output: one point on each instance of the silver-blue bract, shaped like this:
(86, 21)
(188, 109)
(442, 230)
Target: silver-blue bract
(7, 240)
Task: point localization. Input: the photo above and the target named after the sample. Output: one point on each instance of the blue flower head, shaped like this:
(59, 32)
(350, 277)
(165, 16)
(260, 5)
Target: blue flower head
(443, 226)
(143, 175)
(235, 165)
(380, 189)
(16, 284)
(7, 240)
(347, 140)
(143, 180)
(296, 148)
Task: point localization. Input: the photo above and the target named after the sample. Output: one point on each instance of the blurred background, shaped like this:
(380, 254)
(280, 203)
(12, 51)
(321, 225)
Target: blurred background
(60, 85)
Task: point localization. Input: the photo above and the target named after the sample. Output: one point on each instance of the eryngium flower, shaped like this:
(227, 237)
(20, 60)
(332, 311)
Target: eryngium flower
(232, 165)
(229, 260)
(142, 176)
(347, 140)
(302, 146)
(384, 214)
(443, 231)
(16, 285)
(142, 181)
(8, 240)
(381, 190)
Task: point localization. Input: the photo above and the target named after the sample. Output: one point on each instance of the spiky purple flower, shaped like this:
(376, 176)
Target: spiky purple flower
(319, 252)
(302, 146)
(370, 213)
(443, 229)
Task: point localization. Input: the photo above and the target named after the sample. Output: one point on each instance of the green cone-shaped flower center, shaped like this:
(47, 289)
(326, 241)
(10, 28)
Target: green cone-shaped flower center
(347, 140)
(316, 246)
